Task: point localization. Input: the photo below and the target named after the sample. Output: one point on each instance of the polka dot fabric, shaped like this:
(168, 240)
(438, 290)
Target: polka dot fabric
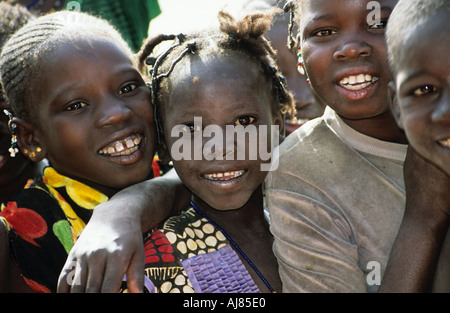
(189, 239)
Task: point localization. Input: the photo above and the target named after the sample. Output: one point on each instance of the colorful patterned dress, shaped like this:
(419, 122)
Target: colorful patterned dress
(189, 254)
(44, 221)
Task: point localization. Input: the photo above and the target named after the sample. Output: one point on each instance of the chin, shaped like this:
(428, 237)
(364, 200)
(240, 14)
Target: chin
(226, 204)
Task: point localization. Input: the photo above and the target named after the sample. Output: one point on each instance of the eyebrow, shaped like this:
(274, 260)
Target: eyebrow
(413, 75)
(322, 17)
(199, 113)
(332, 15)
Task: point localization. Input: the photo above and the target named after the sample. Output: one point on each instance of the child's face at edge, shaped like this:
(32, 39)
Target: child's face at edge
(222, 92)
(423, 90)
(94, 105)
(345, 57)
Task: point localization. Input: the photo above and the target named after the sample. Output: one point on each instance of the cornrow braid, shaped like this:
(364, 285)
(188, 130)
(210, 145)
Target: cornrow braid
(245, 37)
(13, 16)
(22, 60)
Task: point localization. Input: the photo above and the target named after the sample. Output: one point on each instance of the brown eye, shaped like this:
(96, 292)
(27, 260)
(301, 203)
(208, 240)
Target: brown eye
(377, 26)
(190, 128)
(75, 106)
(324, 33)
(424, 90)
(245, 120)
(127, 89)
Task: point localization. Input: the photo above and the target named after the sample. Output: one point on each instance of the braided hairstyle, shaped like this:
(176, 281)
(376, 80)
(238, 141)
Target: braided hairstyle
(294, 8)
(13, 16)
(23, 57)
(244, 38)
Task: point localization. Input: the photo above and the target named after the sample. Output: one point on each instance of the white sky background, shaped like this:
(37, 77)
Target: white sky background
(187, 15)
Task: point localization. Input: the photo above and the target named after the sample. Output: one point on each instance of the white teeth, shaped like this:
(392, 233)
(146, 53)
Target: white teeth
(119, 147)
(224, 175)
(357, 82)
(445, 143)
(125, 146)
(361, 78)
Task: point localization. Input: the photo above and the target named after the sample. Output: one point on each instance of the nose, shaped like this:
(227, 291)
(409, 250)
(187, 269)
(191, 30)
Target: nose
(442, 111)
(112, 111)
(221, 146)
(352, 49)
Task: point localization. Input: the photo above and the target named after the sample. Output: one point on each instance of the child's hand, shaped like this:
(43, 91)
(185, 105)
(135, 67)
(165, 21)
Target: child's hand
(427, 184)
(108, 248)
(415, 254)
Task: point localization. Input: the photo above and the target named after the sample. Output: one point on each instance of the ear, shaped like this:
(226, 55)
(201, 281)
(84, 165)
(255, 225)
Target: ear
(393, 102)
(28, 140)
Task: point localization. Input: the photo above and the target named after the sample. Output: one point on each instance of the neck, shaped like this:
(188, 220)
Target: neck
(383, 127)
(247, 217)
(250, 236)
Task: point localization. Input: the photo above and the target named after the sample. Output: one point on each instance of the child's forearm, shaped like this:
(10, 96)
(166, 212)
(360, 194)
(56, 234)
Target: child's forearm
(118, 225)
(415, 254)
(154, 200)
(149, 202)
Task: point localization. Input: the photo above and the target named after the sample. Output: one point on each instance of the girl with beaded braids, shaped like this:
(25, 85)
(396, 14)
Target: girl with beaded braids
(215, 80)
(78, 100)
(221, 79)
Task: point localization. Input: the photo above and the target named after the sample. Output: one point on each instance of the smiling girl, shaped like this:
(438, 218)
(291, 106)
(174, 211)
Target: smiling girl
(337, 199)
(221, 242)
(78, 100)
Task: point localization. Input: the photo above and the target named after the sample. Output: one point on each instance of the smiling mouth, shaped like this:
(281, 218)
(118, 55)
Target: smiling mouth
(225, 176)
(126, 146)
(358, 82)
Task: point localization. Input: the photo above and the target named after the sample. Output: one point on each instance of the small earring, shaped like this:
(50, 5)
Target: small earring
(13, 150)
(32, 154)
(300, 67)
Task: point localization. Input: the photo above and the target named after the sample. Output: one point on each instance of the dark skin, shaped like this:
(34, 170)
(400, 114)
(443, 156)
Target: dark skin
(103, 99)
(14, 172)
(305, 102)
(245, 210)
(420, 89)
(223, 99)
(415, 254)
(250, 231)
(337, 49)
(108, 105)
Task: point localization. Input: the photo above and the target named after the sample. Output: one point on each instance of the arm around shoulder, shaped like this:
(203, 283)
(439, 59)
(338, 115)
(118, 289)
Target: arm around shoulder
(120, 223)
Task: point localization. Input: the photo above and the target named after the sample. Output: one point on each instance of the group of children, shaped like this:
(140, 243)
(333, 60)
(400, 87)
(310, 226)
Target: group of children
(343, 202)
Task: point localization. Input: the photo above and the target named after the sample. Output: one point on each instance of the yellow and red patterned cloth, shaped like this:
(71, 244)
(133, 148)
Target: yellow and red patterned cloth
(44, 221)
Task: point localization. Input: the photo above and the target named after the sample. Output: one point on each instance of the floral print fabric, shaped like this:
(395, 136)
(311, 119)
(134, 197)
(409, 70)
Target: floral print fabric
(44, 221)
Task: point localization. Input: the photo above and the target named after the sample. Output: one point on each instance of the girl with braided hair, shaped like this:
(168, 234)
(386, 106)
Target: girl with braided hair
(221, 242)
(78, 100)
